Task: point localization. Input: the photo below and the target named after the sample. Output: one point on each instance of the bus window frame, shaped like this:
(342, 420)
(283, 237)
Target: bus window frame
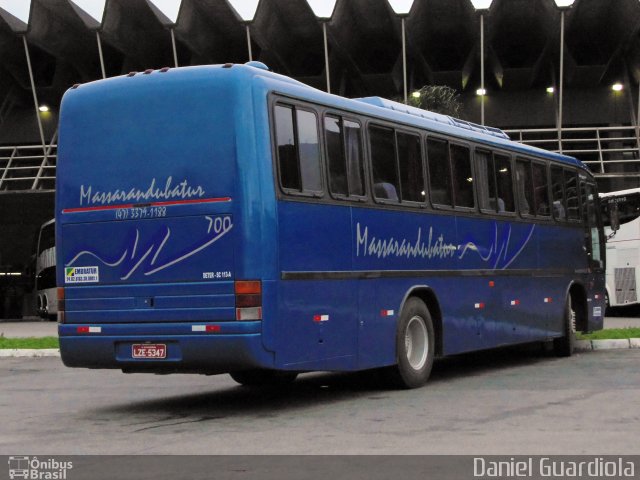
(474, 195)
(418, 134)
(492, 155)
(295, 106)
(424, 134)
(396, 128)
(547, 173)
(343, 116)
(443, 139)
(578, 178)
(563, 185)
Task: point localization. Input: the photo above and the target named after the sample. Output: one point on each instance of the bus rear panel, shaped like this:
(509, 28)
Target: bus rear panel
(148, 227)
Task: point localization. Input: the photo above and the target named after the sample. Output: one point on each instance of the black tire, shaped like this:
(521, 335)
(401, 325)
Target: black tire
(415, 347)
(564, 346)
(263, 378)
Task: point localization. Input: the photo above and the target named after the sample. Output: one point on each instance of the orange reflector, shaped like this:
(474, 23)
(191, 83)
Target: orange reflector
(252, 287)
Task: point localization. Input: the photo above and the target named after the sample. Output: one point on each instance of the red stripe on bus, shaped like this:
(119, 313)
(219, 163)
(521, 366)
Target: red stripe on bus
(154, 204)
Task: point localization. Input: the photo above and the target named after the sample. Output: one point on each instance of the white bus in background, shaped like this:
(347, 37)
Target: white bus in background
(46, 272)
(621, 215)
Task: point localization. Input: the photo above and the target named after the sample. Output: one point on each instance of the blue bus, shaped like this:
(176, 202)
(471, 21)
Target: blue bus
(227, 219)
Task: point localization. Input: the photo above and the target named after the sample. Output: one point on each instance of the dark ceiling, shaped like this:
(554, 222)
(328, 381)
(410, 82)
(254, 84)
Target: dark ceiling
(364, 36)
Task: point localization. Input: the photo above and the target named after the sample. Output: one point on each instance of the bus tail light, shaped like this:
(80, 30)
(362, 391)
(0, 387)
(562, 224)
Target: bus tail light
(248, 300)
(61, 309)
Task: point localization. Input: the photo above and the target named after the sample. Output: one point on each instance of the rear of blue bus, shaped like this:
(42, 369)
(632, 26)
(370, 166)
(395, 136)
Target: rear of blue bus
(151, 219)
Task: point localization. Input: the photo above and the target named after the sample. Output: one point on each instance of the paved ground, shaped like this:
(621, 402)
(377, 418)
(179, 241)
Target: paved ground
(43, 328)
(504, 402)
(28, 328)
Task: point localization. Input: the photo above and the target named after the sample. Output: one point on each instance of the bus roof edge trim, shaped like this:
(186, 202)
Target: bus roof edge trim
(436, 117)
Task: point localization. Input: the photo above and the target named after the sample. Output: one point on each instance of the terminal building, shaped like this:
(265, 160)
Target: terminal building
(560, 74)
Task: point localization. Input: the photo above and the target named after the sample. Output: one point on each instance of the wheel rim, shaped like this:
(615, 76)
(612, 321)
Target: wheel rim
(416, 342)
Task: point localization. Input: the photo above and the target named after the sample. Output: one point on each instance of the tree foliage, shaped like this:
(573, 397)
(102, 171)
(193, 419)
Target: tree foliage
(439, 99)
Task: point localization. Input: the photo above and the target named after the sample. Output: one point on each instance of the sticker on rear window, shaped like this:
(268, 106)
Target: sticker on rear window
(81, 275)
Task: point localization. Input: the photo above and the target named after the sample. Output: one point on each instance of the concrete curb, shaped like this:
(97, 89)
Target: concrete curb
(29, 352)
(618, 344)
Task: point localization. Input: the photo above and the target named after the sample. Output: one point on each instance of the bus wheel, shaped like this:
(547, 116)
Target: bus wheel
(263, 378)
(563, 346)
(415, 345)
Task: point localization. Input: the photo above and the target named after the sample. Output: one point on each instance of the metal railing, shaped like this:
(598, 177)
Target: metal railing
(608, 151)
(28, 168)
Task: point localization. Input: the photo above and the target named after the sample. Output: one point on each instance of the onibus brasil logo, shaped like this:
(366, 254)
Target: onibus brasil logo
(38, 469)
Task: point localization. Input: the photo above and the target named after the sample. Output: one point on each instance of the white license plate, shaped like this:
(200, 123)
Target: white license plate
(149, 350)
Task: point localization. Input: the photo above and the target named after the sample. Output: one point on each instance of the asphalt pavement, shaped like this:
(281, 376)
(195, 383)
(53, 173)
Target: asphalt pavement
(506, 402)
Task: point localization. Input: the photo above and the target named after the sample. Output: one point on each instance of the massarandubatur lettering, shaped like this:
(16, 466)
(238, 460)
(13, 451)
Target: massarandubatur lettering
(182, 191)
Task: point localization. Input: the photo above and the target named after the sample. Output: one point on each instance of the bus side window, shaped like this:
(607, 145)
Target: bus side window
(485, 181)
(504, 183)
(590, 220)
(524, 187)
(439, 172)
(558, 194)
(462, 176)
(353, 156)
(344, 156)
(384, 164)
(287, 157)
(410, 162)
(541, 189)
(573, 201)
(298, 150)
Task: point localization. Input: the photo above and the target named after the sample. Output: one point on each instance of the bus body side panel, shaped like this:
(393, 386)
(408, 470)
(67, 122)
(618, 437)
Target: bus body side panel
(623, 264)
(484, 274)
(317, 323)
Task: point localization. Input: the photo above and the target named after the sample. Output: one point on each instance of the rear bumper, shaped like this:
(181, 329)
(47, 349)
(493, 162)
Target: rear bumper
(234, 346)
